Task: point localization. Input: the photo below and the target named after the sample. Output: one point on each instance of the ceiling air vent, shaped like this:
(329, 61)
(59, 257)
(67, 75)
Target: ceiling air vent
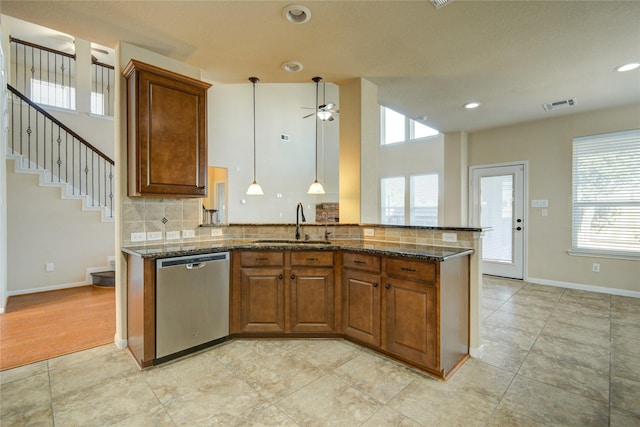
(565, 103)
(440, 3)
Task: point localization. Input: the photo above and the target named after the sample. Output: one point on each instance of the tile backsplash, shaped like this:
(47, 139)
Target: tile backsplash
(150, 214)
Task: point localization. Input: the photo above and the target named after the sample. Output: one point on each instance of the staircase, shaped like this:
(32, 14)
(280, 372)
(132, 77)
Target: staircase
(39, 143)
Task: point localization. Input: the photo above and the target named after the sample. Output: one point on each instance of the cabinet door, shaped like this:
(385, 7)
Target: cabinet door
(361, 306)
(262, 306)
(411, 321)
(167, 124)
(312, 300)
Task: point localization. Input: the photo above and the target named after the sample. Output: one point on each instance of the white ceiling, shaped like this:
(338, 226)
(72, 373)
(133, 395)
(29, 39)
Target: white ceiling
(513, 56)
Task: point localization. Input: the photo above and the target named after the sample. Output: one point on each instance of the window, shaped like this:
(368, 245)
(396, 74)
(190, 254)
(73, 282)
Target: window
(396, 127)
(55, 95)
(606, 194)
(392, 200)
(97, 103)
(422, 199)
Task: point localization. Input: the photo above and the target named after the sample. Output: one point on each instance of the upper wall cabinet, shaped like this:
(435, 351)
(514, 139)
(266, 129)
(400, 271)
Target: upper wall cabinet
(166, 132)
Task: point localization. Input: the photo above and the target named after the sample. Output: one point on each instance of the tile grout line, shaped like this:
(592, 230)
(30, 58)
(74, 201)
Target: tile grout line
(610, 357)
(557, 303)
(53, 418)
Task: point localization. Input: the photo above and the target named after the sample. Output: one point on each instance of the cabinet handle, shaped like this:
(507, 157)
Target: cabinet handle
(280, 276)
(261, 259)
(357, 261)
(375, 285)
(293, 277)
(387, 286)
(410, 270)
(312, 259)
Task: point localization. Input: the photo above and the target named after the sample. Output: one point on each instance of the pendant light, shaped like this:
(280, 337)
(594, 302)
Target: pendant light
(316, 187)
(254, 189)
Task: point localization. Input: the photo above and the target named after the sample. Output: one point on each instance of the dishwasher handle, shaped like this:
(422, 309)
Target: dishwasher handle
(195, 265)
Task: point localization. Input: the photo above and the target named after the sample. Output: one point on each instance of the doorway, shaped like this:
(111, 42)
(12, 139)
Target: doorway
(498, 201)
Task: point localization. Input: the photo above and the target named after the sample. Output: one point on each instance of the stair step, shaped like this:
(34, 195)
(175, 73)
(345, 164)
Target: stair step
(104, 278)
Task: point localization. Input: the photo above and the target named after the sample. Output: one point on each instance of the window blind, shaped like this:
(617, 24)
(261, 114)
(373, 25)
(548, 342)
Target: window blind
(606, 193)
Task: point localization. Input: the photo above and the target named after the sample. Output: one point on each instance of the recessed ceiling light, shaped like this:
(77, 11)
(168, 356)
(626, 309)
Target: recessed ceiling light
(472, 105)
(296, 13)
(292, 66)
(627, 67)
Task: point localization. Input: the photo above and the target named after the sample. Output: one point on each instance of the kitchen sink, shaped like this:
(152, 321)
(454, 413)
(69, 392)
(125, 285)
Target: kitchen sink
(292, 242)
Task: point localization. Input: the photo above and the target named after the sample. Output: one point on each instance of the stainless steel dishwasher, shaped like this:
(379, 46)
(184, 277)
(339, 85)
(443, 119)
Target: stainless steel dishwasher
(192, 303)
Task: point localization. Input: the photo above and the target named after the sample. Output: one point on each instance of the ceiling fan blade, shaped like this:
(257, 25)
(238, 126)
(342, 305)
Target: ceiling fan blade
(307, 108)
(329, 106)
(309, 115)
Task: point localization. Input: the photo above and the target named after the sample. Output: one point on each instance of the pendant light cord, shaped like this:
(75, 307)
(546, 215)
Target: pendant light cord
(316, 119)
(254, 80)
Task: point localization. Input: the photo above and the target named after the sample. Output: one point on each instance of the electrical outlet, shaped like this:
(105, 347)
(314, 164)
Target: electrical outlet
(450, 237)
(49, 267)
(595, 268)
(138, 237)
(216, 232)
(111, 261)
(154, 235)
(188, 234)
(173, 235)
(369, 232)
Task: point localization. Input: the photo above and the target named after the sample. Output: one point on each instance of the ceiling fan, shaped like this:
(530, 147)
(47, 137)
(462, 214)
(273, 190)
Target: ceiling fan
(324, 111)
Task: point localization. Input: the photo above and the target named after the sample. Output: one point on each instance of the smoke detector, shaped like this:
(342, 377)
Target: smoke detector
(557, 105)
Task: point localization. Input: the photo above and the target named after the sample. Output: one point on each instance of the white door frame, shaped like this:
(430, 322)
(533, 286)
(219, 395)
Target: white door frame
(474, 204)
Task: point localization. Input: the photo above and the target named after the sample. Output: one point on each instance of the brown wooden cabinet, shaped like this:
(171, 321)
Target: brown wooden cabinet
(361, 297)
(262, 290)
(167, 132)
(411, 313)
(311, 291)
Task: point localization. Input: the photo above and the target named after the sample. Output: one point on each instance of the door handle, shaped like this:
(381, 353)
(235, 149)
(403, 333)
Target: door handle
(518, 228)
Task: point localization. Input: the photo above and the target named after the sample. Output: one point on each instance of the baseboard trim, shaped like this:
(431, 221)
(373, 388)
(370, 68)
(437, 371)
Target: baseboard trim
(46, 288)
(582, 287)
(476, 352)
(119, 342)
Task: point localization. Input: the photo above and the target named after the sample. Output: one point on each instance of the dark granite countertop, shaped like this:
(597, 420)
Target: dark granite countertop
(424, 252)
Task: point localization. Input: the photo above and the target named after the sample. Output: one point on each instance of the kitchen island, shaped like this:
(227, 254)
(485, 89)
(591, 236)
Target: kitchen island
(407, 301)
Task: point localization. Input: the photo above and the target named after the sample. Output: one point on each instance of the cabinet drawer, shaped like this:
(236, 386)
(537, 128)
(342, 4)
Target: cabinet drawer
(324, 259)
(361, 262)
(261, 259)
(423, 271)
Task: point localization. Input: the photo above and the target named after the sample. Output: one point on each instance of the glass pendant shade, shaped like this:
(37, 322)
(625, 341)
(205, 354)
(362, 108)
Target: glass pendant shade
(254, 189)
(316, 188)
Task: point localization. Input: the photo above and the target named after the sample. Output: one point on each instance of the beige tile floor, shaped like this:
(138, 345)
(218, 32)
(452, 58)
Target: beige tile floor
(553, 356)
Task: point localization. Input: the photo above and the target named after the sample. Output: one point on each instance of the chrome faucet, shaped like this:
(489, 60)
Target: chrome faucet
(299, 210)
(326, 224)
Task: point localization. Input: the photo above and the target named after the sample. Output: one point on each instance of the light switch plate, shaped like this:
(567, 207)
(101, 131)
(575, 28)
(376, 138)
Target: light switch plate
(539, 203)
(173, 235)
(369, 232)
(188, 234)
(138, 237)
(450, 237)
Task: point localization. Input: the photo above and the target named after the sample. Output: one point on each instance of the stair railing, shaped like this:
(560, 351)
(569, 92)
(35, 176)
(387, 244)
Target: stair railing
(67, 158)
(102, 83)
(45, 75)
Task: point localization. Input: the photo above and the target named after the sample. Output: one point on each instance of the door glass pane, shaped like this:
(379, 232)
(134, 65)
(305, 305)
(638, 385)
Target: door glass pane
(392, 200)
(496, 194)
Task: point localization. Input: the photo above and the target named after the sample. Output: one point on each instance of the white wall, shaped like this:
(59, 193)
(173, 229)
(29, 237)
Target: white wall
(44, 228)
(547, 145)
(284, 167)
(3, 175)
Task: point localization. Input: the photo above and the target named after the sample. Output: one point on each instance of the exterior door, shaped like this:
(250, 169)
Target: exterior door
(497, 201)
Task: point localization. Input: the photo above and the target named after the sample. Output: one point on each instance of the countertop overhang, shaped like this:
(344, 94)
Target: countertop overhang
(423, 252)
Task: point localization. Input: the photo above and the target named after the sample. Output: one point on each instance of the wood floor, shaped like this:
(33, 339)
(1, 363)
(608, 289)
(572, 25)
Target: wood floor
(40, 326)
